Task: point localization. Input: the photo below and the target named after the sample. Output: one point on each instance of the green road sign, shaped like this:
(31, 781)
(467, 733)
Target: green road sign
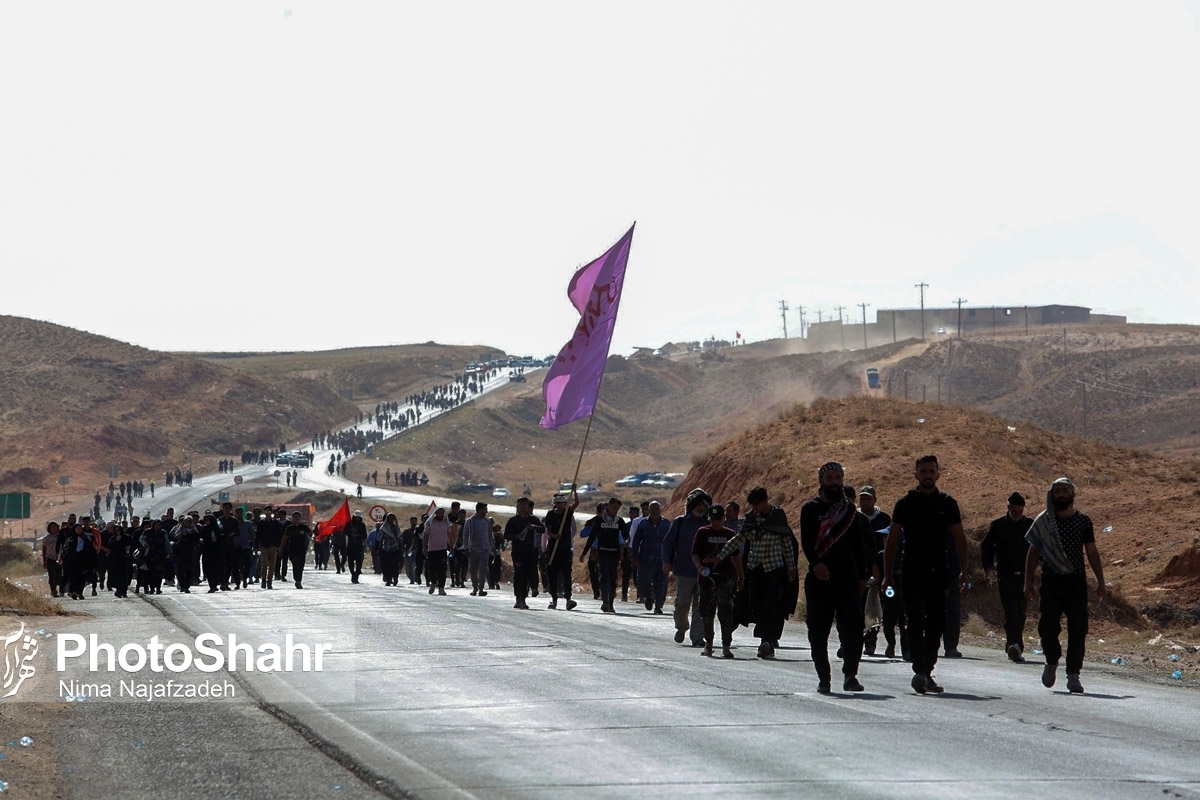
(14, 505)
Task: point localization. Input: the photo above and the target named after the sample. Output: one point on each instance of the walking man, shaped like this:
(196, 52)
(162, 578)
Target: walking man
(922, 517)
(677, 558)
(609, 537)
(1058, 539)
(477, 542)
(1005, 547)
(560, 533)
(296, 537)
(521, 532)
(435, 542)
(770, 566)
(839, 545)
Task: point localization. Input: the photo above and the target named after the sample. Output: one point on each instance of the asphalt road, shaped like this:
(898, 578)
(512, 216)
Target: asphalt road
(459, 696)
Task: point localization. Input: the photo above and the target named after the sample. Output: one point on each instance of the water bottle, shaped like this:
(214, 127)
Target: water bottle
(706, 572)
(889, 591)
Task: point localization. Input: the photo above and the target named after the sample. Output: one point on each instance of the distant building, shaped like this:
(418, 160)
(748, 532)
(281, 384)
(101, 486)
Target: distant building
(904, 323)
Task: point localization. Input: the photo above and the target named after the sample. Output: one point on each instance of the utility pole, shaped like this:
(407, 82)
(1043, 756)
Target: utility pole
(922, 286)
(960, 302)
(863, 306)
(993, 322)
(893, 326)
(841, 324)
(783, 309)
(820, 316)
(801, 310)
(1085, 410)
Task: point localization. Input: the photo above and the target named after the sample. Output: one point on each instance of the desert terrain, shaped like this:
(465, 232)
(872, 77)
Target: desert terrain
(1003, 413)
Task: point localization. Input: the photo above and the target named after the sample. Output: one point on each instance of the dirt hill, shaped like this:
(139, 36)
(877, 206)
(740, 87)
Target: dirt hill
(983, 459)
(72, 403)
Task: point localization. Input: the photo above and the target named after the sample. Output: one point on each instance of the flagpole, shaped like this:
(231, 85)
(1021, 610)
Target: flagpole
(574, 482)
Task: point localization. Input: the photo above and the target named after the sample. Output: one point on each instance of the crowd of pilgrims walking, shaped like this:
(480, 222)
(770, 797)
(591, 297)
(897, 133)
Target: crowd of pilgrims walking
(729, 568)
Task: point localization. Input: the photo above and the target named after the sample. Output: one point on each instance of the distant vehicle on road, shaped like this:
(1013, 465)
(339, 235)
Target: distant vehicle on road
(500, 491)
(872, 378)
(294, 459)
(941, 331)
(516, 377)
(637, 479)
(665, 481)
(583, 488)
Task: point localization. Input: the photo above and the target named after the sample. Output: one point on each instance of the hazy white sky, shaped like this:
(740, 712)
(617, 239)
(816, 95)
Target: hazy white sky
(191, 175)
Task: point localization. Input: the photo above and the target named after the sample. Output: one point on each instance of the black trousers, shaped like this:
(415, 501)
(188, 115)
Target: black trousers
(435, 568)
(54, 574)
(390, 565)
(1064, 594)
(525, 569)
(354, 560)
(298, 560)
(214, 568)
(339, 557)
(608, 562)
(925, 606)
(558, 574)
(716, 600)
(836, 597)
(1012, 598)
(766, 597)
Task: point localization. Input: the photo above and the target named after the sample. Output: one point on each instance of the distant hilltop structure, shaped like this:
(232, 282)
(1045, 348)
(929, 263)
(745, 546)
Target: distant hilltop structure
(892, 325)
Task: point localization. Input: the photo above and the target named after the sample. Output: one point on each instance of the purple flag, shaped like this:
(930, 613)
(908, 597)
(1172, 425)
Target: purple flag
(573, 380)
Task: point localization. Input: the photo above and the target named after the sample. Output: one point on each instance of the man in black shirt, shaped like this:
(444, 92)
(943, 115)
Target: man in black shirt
(922, 517)
(1005, 546)
(296, 537)
(1058, 539)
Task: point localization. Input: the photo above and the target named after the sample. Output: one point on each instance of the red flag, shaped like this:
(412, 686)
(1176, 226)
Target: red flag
(339, 520)
(739, 334)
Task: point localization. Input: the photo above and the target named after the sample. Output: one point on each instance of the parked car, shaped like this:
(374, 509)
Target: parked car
(637, 479)
(500, 491)
(665, 481)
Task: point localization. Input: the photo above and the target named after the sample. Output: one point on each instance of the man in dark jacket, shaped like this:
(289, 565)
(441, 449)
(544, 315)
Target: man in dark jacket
(1005, 547)
(356, 543)
(839, 546)
(296, 537)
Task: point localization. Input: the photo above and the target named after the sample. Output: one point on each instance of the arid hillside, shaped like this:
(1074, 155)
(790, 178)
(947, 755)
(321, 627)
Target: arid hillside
(983, 458)
(363, 374)
(72, 403)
